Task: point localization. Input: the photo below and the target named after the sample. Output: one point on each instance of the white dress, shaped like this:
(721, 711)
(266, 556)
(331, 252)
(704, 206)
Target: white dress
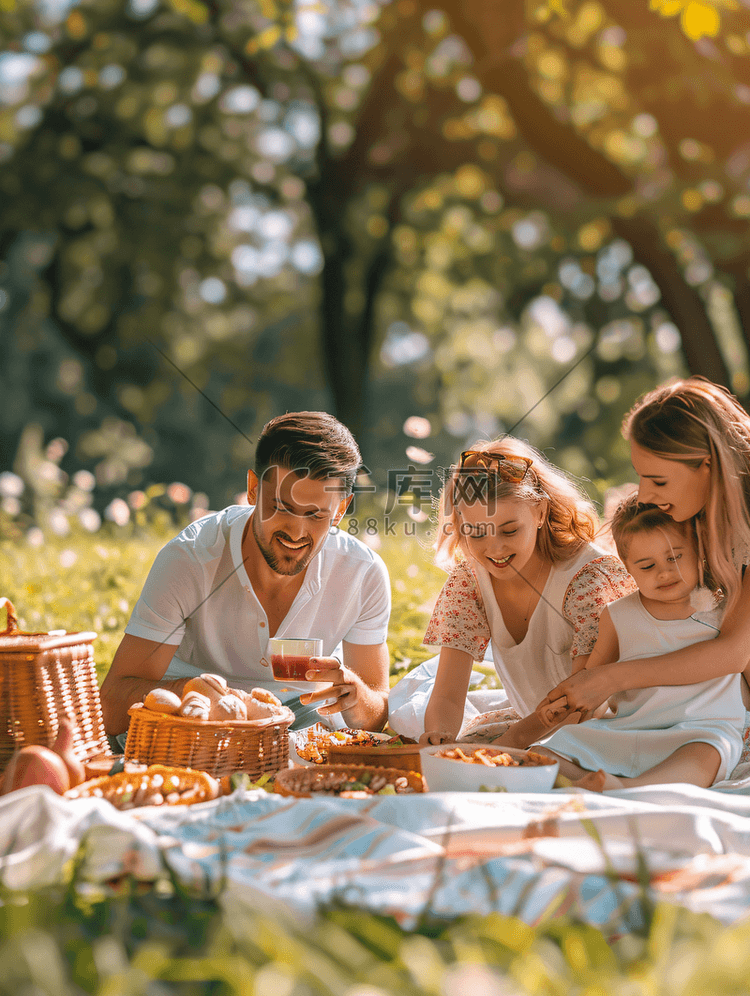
(649, 724)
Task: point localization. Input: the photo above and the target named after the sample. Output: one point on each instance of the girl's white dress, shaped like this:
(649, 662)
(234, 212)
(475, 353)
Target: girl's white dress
(649, 724)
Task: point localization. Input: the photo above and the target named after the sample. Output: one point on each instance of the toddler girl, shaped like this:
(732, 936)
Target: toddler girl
(676, 733)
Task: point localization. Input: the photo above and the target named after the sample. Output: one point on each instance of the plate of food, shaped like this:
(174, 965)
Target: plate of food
(392, 752)
(484, 768)
(312, 745)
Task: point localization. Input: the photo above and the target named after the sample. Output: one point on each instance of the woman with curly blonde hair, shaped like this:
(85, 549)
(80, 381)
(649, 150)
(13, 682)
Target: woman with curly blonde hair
(690, 447)
(516, 535)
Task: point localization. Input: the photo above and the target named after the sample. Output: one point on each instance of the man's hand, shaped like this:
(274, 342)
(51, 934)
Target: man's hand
(359, 686)
(346, 687)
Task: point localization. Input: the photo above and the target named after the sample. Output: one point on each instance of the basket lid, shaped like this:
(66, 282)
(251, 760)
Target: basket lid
(14, 639)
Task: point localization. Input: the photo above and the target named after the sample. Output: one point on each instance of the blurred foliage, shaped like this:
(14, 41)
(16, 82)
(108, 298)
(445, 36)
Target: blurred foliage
(64, 943)
(383, 207)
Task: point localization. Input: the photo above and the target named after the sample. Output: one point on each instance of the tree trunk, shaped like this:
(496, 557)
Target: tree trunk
(682, 301)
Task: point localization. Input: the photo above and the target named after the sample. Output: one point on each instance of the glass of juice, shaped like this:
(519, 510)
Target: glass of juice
(290, 658)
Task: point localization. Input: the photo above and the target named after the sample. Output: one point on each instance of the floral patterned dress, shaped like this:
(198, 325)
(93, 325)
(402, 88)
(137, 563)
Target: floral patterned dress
(563, 626)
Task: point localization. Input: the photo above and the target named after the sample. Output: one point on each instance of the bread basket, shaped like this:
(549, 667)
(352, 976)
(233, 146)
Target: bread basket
(259, 746)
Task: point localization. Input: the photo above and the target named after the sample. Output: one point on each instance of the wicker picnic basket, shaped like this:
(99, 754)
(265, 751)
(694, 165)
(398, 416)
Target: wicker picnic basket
(304, 782)
(406, 757)
(44, 677)
(259, 746)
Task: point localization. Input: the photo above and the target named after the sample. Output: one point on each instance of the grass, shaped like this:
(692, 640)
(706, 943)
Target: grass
(61, 943)
(156, 941)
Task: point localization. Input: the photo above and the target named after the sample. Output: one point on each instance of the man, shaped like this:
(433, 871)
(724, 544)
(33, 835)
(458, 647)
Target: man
(233, 579)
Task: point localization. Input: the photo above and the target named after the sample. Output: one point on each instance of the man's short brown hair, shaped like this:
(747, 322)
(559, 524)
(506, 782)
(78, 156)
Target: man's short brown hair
(312, 443)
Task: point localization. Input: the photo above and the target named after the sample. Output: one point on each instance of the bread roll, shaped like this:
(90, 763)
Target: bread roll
(162, 700)
(260, 710)
(261, 704)
(213, 686)
(228, 707)
(195, 706)
(263, 695)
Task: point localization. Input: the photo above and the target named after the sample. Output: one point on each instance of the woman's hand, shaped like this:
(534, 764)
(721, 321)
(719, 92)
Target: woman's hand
(437, 737)
(582, 692)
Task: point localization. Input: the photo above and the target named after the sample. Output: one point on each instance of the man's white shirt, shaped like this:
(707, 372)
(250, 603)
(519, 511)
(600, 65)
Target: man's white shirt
(198, 597)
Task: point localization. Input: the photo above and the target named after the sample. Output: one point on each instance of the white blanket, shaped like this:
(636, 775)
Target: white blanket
(438, 854)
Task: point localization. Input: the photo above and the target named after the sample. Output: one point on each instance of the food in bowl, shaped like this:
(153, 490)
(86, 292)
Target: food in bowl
(495, 758)
(470, 768)
(347, 781)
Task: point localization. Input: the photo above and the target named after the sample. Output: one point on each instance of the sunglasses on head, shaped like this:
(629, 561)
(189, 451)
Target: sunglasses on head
(512, 469)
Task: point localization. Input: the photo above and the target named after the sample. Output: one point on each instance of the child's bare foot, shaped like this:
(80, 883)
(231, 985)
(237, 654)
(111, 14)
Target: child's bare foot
(599, 781)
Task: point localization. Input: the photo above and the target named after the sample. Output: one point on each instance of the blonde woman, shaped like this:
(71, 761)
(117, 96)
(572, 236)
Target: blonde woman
(516, 535)
(690, 447)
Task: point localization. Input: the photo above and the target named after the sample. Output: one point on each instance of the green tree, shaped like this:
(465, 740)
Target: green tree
(456, 201)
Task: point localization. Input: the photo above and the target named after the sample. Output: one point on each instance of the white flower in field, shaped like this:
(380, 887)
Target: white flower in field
(417, 427)
(57, 521)
(84, 480)
(118, 512)
(179, 493)
(68, 558)
(90, 519)
(418, 455)
(35, 536)
(11, 485)
(11, 505)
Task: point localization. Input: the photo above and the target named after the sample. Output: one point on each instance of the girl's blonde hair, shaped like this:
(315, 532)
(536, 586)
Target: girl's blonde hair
(569, 518)
(689, 420)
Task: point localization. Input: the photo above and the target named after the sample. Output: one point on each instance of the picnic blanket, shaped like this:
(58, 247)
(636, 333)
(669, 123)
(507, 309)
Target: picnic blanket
(434, 855)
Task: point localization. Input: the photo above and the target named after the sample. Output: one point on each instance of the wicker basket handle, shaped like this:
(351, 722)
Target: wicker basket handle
(11, 625)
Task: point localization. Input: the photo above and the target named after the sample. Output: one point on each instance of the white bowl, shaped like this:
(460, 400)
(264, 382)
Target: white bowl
(444, 774)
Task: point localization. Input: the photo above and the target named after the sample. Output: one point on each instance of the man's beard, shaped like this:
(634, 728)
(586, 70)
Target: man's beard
(274, 562)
